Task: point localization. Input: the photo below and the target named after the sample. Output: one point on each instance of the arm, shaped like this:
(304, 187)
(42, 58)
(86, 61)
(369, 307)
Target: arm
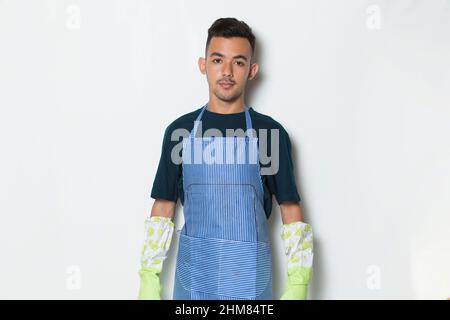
(297, 237)
(163, 208)
(159, 226)
(290, 212)
(158, 235)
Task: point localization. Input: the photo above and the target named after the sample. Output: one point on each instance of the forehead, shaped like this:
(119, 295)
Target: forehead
(230, 46)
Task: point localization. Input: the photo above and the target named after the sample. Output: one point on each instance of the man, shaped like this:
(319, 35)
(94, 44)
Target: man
(224, 249)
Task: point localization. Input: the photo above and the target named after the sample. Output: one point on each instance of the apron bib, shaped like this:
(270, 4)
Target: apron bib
(224, 250)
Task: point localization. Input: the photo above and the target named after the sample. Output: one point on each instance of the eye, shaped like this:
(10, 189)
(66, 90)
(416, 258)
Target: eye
(217, 59)
(241, 63)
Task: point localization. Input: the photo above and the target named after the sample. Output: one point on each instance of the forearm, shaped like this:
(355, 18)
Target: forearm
(163, 208)
(291, 212)
(298, 244)
(159, 229)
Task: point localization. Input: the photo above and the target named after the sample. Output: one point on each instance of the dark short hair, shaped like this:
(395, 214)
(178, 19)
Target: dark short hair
(230, 27)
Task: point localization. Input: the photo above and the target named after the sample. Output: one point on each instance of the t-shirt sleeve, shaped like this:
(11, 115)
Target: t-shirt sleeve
(165, 185)
(282, 182)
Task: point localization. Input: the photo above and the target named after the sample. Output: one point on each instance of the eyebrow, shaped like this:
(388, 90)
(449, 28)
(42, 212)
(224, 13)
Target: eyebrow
(218, 54)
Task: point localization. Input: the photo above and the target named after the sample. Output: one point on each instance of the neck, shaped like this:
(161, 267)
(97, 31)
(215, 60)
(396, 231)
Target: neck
(224, 107)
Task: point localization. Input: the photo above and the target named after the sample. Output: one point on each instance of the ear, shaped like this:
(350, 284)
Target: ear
(253, 71)
(202, 65)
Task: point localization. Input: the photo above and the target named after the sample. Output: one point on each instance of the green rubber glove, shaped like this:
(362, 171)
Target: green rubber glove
(158, 236)
(295, 292)
(150, 286)
(297, 284)
(298, 243)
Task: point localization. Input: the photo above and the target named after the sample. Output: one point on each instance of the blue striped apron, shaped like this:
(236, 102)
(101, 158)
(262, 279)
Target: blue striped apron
(224, 251)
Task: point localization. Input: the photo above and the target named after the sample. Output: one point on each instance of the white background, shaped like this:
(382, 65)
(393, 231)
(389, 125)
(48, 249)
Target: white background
(88, 87)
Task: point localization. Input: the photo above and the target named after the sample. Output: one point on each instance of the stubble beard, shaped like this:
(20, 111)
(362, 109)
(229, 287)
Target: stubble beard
(227, 96)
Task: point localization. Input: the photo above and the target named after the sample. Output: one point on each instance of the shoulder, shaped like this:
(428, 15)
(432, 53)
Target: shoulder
(264, 121)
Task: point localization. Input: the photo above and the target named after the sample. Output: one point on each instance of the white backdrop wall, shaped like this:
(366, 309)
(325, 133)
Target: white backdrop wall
(88, 87)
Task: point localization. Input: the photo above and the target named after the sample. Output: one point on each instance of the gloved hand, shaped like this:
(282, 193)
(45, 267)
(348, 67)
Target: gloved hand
(150, 287)
(298, 243)
(158, 233)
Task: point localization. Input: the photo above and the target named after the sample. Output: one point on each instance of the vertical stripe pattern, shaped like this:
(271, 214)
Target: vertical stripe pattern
(224, 250)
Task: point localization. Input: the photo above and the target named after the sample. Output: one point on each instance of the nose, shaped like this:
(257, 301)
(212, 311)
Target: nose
(227, 69)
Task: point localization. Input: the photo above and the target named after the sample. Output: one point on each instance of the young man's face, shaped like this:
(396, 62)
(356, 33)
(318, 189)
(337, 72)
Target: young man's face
(227, 67)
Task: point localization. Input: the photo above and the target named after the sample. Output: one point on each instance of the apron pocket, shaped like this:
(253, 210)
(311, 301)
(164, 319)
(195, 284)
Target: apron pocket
(224, 267)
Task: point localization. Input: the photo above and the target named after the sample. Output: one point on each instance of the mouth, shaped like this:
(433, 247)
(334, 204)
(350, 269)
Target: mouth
(226, 85)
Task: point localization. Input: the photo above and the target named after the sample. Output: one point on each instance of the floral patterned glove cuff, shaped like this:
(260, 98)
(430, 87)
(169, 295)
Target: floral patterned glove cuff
(158, 236)
(298, 244)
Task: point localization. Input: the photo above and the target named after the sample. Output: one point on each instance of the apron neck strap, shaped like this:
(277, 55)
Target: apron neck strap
(248, 121)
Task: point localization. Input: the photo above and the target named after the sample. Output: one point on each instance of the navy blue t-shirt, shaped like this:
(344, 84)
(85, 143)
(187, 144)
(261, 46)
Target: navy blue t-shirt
(168, 183)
